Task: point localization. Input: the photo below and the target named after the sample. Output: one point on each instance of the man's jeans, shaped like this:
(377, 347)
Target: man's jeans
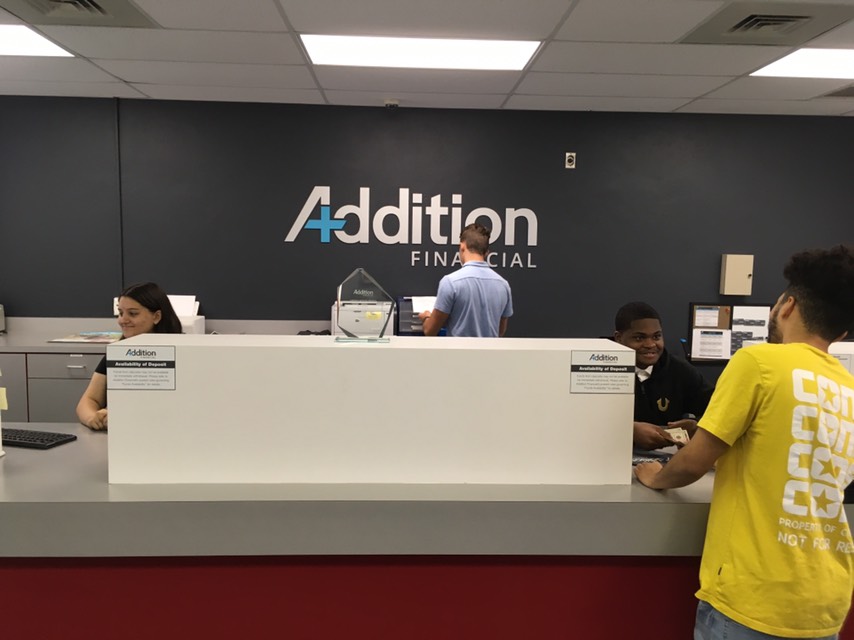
(711, 624)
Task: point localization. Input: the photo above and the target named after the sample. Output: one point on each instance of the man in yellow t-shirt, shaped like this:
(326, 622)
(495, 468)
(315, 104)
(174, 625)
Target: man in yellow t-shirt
(778, 560)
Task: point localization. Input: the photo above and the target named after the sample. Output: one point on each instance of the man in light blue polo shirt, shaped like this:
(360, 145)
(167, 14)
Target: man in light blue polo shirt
(474, 301)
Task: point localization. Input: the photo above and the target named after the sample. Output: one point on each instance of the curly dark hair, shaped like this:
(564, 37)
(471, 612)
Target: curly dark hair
(822, 283)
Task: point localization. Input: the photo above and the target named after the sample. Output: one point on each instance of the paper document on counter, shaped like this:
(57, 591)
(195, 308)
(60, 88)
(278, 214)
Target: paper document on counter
(423, 303)
(96, 337)
(184, 305)
(3, 406)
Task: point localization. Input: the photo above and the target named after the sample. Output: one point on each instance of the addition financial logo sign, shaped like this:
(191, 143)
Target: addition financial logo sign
(419, 221)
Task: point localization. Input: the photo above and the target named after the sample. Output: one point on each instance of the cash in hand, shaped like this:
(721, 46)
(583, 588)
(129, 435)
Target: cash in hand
(678, 434)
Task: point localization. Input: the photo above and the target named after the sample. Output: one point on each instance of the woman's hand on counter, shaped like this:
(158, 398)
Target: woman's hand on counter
(98, 422)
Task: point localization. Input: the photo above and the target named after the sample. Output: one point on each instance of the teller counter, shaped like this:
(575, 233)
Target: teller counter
(65, 489)
(170, 552)
(337, 561)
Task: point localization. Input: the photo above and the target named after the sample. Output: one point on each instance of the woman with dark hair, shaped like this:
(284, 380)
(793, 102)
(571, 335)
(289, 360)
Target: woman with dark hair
(143, 308)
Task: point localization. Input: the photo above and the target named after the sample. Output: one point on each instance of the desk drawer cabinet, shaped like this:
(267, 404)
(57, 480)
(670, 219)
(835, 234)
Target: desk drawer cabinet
(13, 367)
(55, 383)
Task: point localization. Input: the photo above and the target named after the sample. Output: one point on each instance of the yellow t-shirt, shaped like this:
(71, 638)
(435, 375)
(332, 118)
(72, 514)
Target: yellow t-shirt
(778, 556)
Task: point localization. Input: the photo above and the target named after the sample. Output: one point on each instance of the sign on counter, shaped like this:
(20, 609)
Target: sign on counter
(602, 372)
(140, 368)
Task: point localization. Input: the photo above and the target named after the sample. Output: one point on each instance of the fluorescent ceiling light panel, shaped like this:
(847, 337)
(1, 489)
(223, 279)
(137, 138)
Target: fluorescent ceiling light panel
(812, 63)
(419, 53)
(18, 40)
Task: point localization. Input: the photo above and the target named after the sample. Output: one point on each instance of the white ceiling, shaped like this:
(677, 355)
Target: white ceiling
(599, 55)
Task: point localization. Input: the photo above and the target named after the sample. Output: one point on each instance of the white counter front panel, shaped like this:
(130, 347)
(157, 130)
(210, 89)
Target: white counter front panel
(305, 409)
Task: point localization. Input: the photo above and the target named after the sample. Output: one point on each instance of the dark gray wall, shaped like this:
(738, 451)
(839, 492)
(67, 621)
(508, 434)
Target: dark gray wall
(60, 213)
(209, 191)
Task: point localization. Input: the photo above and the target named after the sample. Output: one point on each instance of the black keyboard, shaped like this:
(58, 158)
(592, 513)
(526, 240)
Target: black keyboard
(35, 439)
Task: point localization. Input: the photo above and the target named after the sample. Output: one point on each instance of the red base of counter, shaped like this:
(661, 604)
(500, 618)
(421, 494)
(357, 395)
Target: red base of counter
(349, 597)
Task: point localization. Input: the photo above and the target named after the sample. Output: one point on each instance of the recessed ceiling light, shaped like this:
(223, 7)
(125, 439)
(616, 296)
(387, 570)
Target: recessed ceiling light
(18, 40)
(812, 63)
(419, 53)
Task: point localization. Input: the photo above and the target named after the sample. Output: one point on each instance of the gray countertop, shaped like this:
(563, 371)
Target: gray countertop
(58, 502)
(33, 335)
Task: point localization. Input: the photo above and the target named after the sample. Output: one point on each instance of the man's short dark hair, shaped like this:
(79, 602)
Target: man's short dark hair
(822, 283)
(476, 237)
(632, 311)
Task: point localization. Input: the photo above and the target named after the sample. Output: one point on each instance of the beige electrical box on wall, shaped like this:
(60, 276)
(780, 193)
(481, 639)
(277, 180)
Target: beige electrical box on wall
(736, 274)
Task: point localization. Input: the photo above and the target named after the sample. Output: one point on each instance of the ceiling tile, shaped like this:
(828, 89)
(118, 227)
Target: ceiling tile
(231, 94)
(215, 15)
(511, 19)
(416, 80)
(642, 86)
(635, 21)
(824, 107)
(599, 55)
(776, 88)
(842, 37)
(566, 103)
(210, 74)
(8, 18)
(406, 100)
(179, 46)
(40, 69)
(667, 59)
(82, 89)
(838, 106)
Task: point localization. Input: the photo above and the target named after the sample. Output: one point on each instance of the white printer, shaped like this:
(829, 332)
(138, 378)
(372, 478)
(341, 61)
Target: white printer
(363, 318)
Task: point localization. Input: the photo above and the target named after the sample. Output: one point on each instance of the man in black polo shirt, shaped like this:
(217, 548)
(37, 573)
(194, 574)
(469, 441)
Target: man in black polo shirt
(669, 393)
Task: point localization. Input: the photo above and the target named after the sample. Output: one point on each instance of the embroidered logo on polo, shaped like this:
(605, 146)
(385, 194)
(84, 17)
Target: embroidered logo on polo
(663, 404)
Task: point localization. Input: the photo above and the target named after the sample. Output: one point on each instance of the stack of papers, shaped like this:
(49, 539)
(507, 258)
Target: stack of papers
(97, 337)
(184, 305)
(422, 303)
(3, 407)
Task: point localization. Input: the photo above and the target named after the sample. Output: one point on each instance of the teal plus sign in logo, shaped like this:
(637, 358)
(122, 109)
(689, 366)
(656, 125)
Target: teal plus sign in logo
(326, 224)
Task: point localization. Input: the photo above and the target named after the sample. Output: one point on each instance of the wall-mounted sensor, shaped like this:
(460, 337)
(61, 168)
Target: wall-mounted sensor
(570, 160)
(391, 104)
